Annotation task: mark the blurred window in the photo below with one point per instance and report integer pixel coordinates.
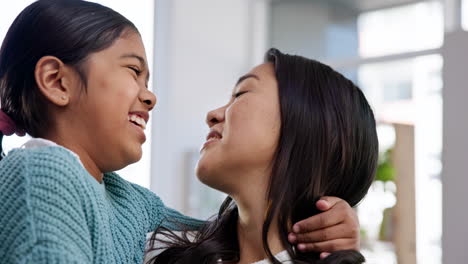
(401, 29)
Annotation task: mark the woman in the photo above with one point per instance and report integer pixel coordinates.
(293, 131)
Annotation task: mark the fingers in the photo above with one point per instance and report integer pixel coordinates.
(337, 228)
(322, 220)
(329, 246)
(323, 205)
(324, 255)
(330, 233)
(327, 202)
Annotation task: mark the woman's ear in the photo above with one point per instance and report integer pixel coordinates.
(53, 79)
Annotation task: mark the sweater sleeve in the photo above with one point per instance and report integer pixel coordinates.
(41, 213)
(160, 215)
(174, 220)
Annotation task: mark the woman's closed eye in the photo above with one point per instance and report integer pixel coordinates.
(239, 94)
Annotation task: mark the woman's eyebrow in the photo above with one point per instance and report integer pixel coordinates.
(250, 75)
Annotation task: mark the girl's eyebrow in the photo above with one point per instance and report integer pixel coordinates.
(133, 55)
(250, 75)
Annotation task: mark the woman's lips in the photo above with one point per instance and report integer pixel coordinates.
(212, 137)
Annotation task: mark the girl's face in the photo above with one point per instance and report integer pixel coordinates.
(243, 135)
(110, 116)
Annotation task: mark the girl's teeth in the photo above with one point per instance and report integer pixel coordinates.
(140, 121)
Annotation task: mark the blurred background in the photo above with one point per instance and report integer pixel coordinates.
(408, 56)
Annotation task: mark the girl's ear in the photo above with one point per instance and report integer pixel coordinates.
(53, 79)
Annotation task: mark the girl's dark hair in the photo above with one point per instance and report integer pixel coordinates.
(327, 147)
(67, 29)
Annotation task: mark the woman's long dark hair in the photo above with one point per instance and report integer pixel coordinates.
(327, 147)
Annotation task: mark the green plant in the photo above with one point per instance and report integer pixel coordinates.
(385, 169)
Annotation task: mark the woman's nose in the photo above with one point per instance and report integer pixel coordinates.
(215, 116)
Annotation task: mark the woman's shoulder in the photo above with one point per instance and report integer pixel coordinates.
(155, 245)
(282, 257)
(158, 243)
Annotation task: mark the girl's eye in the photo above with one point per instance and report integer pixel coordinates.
(238, 94)
(137, 71)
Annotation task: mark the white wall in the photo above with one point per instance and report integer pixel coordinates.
(201, 48)
(314, 29)
(289, 22)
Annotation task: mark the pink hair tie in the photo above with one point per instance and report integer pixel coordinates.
(8, 127)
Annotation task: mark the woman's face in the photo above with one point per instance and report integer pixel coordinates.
(112, 113)
(243, 134)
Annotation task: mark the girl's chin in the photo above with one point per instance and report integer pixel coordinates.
(134, 155)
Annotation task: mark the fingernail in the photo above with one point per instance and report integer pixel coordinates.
(292, 238)
(301, 247)
(324, 201)
(324, 255)
(296, 229)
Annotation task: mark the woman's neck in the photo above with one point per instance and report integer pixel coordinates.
(249, 230)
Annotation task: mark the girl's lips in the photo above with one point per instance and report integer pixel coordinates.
(137, 120)
(138, 127)
(139, 131)
(141, 114)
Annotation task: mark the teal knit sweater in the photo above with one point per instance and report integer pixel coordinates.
(53, 211)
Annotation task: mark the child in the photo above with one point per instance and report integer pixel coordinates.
(73, 75)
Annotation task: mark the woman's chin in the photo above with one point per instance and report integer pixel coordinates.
(202, 172)
(211, 178)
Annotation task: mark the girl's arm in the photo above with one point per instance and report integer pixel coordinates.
(181, 222)
(160, 215)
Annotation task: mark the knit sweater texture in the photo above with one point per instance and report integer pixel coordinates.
(53, 211)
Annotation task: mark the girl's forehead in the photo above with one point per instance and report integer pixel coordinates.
(130, 43)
